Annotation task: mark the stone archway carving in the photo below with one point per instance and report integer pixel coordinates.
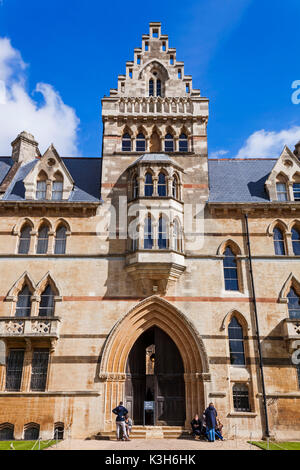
(154, 311)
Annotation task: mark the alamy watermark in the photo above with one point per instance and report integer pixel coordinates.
(296, 94)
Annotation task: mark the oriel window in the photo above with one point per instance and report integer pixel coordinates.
(148, 235)
(148, 185)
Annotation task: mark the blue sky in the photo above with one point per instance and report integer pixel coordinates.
(58, 58)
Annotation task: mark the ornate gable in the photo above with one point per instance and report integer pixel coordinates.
(285, 171)
(49, 169)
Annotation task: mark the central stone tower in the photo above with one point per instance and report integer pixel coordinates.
(154, 156)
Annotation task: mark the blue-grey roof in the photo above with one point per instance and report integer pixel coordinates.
(5, 165)
(86, 173)
(154, 157)
(237, 180)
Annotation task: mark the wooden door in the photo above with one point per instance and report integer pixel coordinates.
(170, 387)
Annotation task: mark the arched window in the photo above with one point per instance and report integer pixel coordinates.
(6, 432)
(47, 303)
(148, 234)
(176, 236)
(58, 431)
(57, 187)
(24, 242)
(175, 192)
(296, 241)
(296, 191)
(240, 397)
(42, 243)
(151, 87)
(148, 184)
(236, 343)
(278, 241)
(162, 186)
(31, 432)
(60, 240)
(41, 186)
(158, 87)
(281, 192)
(230, 270)
(140, 143)
(162, 233)
(126, 143)
(169, 143)
(183, 143)
(293, 304)
(135, 187)
(23, 306)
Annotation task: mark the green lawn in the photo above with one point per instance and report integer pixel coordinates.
(277, 445)
(25, 445)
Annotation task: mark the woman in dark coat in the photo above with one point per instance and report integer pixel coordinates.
(211, 421)
(196, 426)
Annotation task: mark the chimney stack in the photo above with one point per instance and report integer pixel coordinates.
(24, 148)
(297, 150)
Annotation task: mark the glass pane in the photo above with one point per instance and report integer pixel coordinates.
(14, 369)
(169, 143)
(24, 242)
(41, 188)
(31, 433)
(23, 306)
(293, 304)
(57, 190)
(39, 369)
(47, 303)
(42, 244)
(60, 241)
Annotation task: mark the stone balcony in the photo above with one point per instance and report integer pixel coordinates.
(29, 327)
(154, 270)
(291, 333)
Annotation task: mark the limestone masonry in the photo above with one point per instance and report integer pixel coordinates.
(127, 277)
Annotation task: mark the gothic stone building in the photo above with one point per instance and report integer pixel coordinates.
(128, 277)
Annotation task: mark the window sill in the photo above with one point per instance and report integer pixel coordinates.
(242, 414)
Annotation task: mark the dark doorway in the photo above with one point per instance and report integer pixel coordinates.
(155, 373)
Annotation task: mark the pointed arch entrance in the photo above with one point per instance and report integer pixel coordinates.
(155, 373)
(154, 312)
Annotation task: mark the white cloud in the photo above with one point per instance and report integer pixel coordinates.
(51, 121)
(218, 153)
(264, 143)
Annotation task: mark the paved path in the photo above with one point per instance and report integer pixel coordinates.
(153, 444)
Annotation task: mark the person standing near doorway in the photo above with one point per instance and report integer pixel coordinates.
(211, 421)
(121, 411)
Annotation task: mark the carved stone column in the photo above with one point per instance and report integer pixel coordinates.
(26, 376)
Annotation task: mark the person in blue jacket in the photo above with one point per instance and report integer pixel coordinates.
(121, 411)
(211, 421)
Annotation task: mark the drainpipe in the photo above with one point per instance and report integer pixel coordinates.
(257, 330)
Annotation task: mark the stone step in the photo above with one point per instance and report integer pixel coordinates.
(149, 432)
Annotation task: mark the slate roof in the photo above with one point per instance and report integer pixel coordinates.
(239, 180)
(154, 157)
(86, 173)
